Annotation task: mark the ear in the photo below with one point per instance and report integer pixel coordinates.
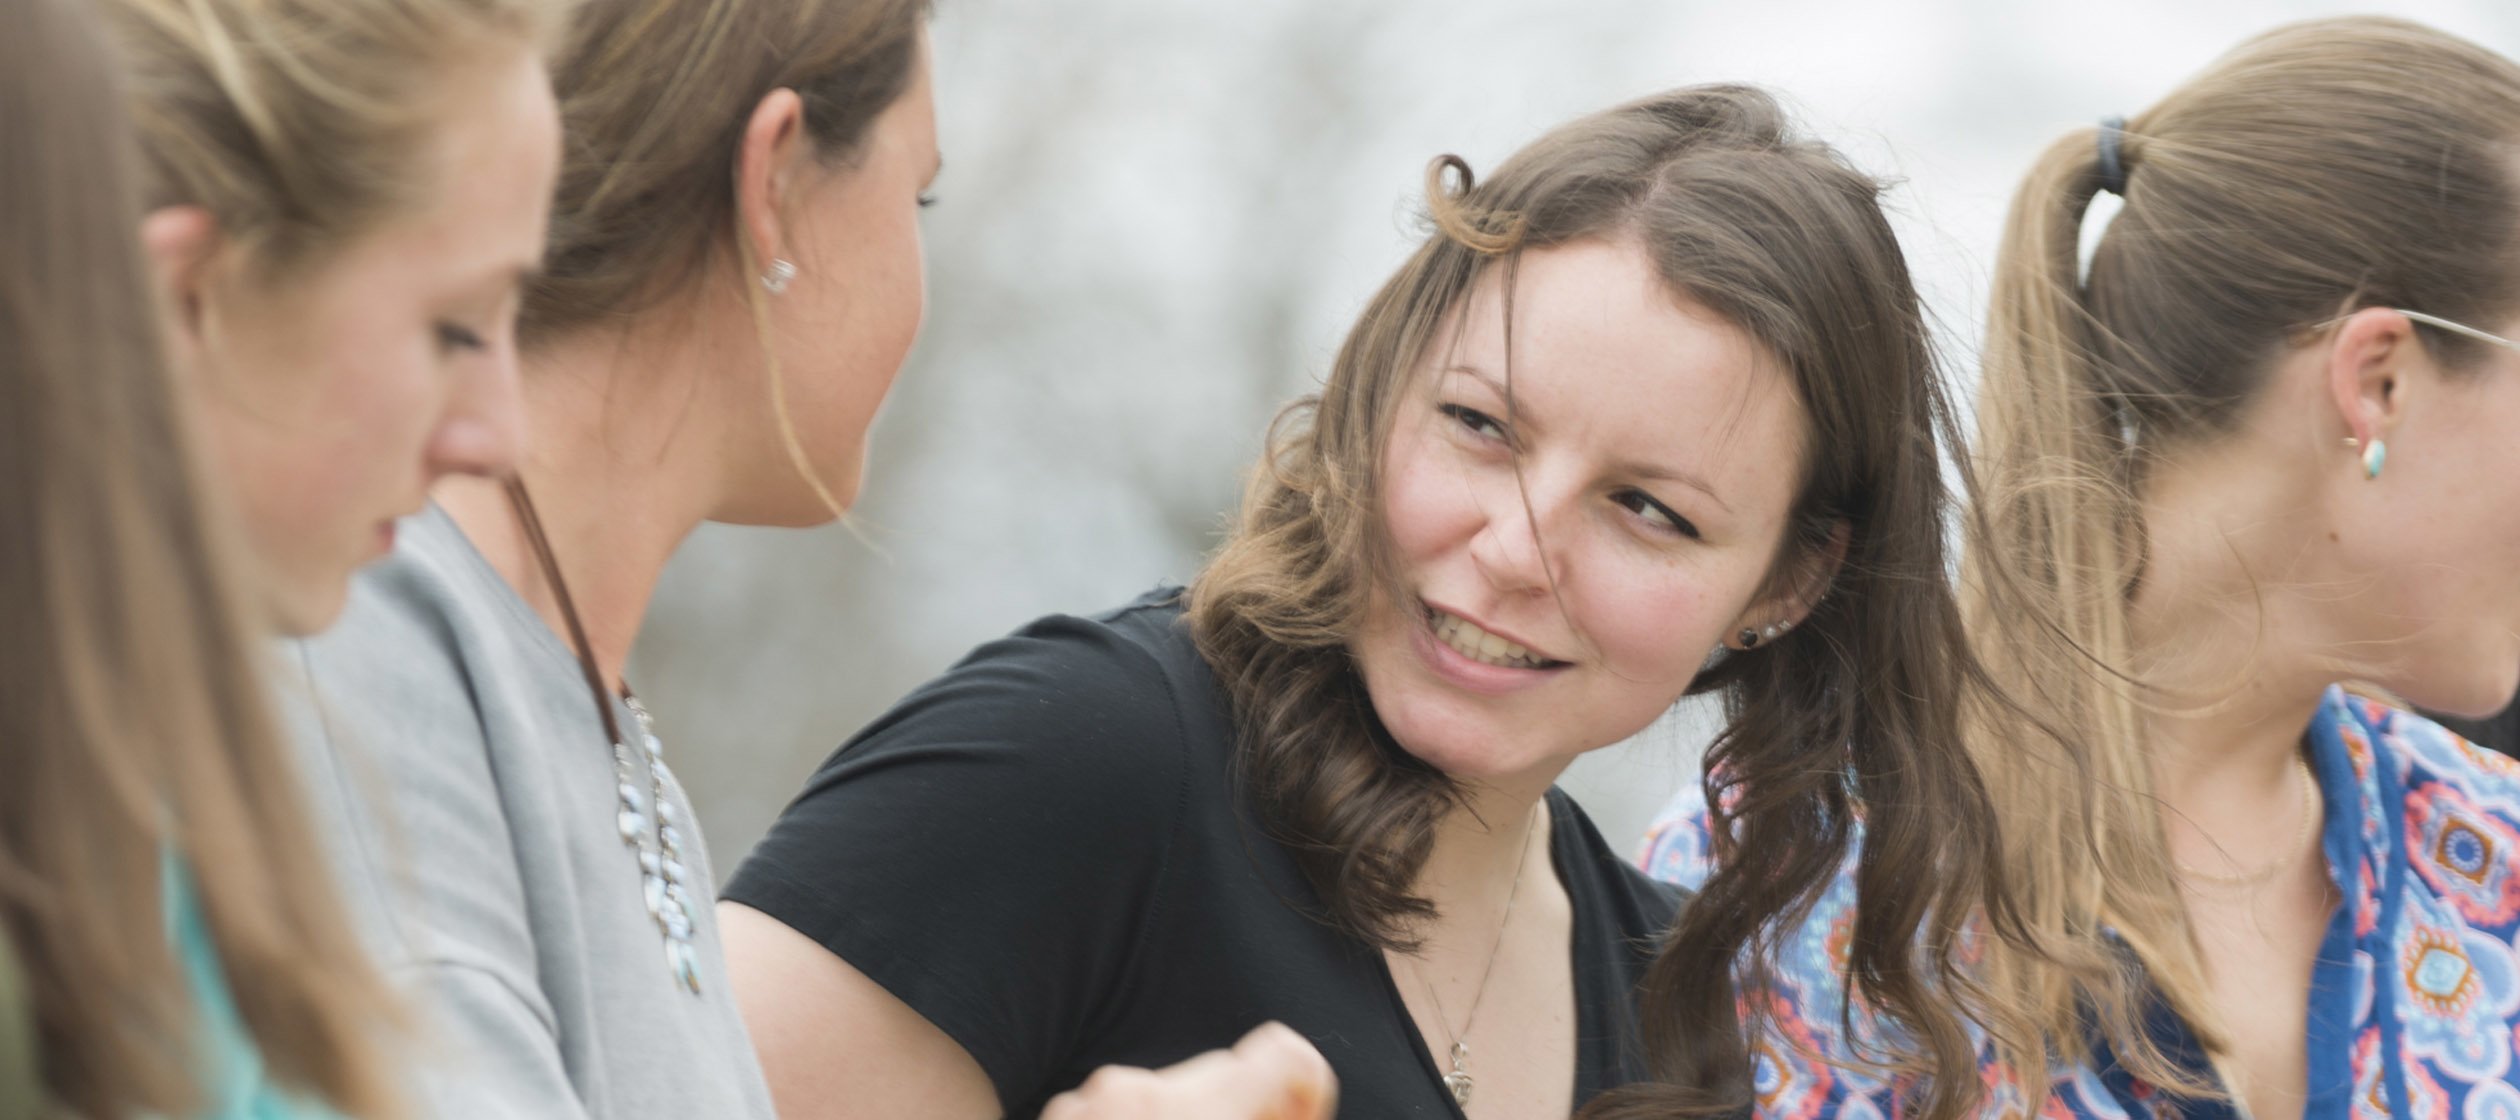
(1796, 592)
(766, 169)
(180, 243)
(2367, 362)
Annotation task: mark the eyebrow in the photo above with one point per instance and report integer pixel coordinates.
(1650, 472)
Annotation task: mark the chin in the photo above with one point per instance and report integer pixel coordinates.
(306, 611)
(1460, 746)
(2480, 686)
(797, 505)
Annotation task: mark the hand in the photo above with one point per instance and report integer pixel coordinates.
(1272, 1074)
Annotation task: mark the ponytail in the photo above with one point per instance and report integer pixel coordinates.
(2321, 167)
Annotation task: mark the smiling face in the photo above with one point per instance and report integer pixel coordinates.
(334, 397)
(1561, 608)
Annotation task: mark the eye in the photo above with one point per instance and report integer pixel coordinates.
(1477, 422)
(1655, 513)
(927, 199)
(451, 338)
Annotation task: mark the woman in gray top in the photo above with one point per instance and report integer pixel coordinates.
(735, 241)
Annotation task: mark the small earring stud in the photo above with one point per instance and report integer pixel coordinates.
(775, 279)
(2374, 457)
(2352, 442)
(1749, 638)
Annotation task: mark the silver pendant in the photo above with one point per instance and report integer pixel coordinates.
(1459, 1079)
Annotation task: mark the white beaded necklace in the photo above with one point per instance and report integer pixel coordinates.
(663, 879)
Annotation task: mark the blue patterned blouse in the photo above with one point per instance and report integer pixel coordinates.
(2413, 999)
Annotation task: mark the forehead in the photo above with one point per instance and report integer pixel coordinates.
(1606, 356)
(483, 187)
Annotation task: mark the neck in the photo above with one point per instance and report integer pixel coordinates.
(1480, 848)
(2227, 627)
(610, 471)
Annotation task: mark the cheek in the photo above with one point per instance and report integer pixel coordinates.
(335, 437)
(1655, 623)
(1430, 505)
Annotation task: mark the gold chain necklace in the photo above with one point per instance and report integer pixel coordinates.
(2291, 854)
(1458, 1081)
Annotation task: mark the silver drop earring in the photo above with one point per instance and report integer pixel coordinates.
(775, 279)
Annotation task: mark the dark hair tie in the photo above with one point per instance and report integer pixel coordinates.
(2112, 158)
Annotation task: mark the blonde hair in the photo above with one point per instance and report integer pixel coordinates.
(132, 722)
(301, 124)
(2319, 168)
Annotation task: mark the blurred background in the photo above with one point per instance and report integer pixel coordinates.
(1157, 219)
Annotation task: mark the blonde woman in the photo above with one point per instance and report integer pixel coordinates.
(735, 243)
(184, 952)
(2263, 451)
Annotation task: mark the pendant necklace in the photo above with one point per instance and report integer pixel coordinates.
(644, 808)
(1458, 1081)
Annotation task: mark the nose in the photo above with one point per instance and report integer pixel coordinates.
(482, 430)
(1509, 547)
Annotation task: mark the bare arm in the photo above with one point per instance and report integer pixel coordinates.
(834, 1044)
(837, 1046)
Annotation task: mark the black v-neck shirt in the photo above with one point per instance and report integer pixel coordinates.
(1044, 853)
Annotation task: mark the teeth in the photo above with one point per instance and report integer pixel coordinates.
(1479, 645)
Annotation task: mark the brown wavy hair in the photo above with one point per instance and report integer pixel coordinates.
(1855, 712)
(2318, 169)
(133, 728)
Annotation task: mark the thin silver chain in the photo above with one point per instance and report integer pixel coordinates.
(1461, 1038)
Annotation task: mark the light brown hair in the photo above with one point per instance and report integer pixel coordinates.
(2318, 169)
(301, 124)
(654, 97)
(1856, 711)
(133, 729)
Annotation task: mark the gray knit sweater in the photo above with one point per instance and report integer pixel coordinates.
(469, 798)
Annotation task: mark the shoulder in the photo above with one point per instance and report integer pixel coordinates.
(2455, 816)
(1102, 689)
(2422, 752)
(432, 656)
(430, 631)
(427, 711)
(1073, 737)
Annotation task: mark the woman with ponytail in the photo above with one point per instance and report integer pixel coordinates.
(1649, 412)
(2249, 481)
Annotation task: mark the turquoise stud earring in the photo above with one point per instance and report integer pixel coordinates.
(2375, 456)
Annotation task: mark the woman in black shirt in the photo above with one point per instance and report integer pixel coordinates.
(1650, 412)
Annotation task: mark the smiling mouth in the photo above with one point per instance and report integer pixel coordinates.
(1478, 645)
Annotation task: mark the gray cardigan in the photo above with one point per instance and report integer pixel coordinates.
(468, 796)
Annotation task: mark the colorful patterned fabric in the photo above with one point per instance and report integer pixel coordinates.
(2413, 1001)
